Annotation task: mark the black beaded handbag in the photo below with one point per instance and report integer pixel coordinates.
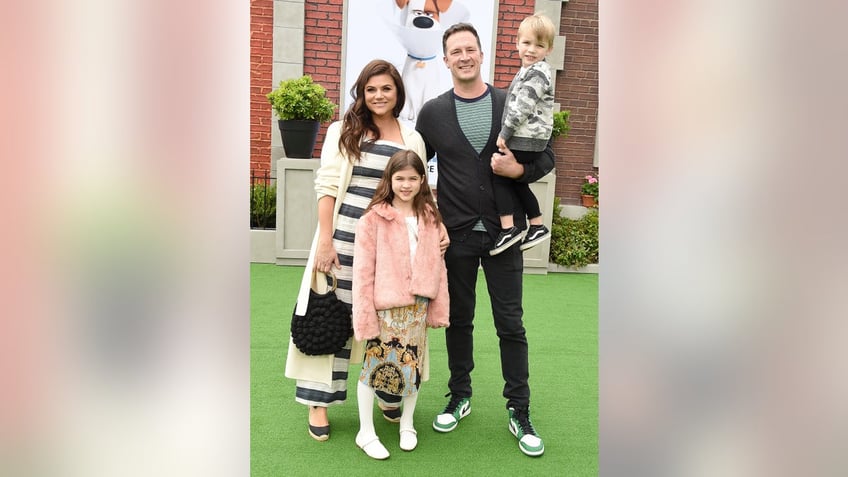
(326, 326)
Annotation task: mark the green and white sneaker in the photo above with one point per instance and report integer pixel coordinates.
(520, 426)
(457, 408)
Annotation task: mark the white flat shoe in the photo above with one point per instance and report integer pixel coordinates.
(373, 448)
(408, 439)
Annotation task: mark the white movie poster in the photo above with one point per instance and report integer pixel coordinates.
(408, 33)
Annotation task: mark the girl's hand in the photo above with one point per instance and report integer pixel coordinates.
(444, 240)
(326, 257)
(501, 143)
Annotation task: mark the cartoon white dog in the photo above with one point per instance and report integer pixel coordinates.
(420, 24)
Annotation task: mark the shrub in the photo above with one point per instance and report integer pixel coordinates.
(301, 99)
(263, 205)
(574, 243)
(561, 125)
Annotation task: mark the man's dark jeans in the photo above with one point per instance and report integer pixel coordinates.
(504, 281)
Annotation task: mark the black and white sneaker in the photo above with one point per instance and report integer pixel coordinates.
(507, 238)
(536, 234)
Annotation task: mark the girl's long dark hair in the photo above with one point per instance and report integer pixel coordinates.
(357, 121)
(423, 203)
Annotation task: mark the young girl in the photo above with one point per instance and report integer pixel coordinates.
(399, 288)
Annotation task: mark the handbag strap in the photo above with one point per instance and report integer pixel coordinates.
(307, 279)
(312, 279)
(319, 282)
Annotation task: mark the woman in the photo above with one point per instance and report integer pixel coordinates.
(353, 157)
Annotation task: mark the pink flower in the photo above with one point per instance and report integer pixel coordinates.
(591, 179)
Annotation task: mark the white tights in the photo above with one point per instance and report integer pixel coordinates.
(365, 398)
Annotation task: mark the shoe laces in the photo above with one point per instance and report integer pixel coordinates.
(453, 403)
(523, 418)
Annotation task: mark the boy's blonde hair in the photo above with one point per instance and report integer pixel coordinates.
(540, 27)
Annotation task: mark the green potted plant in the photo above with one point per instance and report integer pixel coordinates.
(589, 190)
(301, 106)
(561, 126)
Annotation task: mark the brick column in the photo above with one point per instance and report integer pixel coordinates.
(261, 46)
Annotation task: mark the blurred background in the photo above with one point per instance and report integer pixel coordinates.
(124, 344)
(125, 313)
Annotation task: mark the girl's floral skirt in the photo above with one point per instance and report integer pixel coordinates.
(392, 361)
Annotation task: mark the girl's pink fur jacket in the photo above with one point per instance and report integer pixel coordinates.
(383, 277)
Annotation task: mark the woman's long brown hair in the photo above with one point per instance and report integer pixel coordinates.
(357, 122)
(423, 203)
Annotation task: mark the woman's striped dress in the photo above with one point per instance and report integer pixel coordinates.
(366, 175)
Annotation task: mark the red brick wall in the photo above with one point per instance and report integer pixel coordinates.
(576, 86)
(261, 63)
(510, 14)
(577, 91)
(322, 51)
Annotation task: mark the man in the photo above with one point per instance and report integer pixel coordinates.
(461, 126)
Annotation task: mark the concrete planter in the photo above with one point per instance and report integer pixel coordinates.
(263, 246)
(536, 258)
(297, 209)
(591, 268)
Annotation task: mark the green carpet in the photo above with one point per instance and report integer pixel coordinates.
(560, 315)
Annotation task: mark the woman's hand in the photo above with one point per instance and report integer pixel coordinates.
(326, 257)
(325, 253)
(444, 240)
